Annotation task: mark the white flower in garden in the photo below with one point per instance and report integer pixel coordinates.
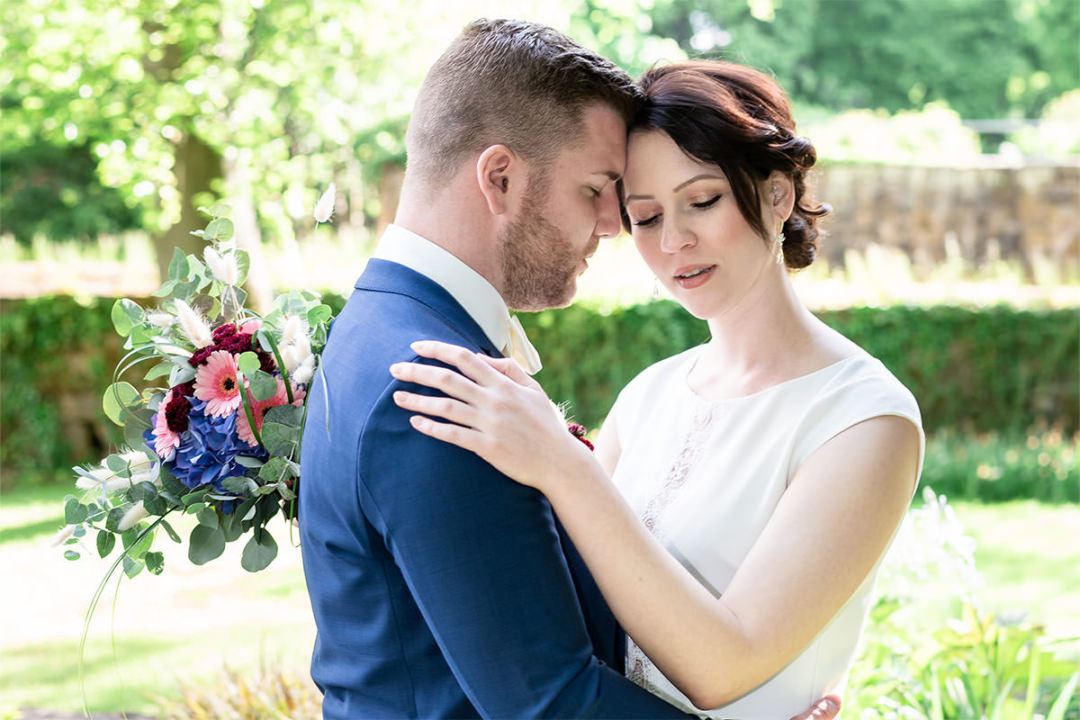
(196, 329)
(223, 266)
(61, 536)
(161, 319)
(325, 207)
(132, 516)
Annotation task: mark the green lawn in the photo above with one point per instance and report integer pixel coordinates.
(191, 623)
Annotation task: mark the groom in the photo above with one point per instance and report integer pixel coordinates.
(441, 588)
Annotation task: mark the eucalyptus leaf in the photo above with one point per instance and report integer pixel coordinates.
(207, 516)
(248, 462)
(205, 544)
(275, 469)
(133, 567)
(112, 521)
(194, 497)
(155, 562)
(319, 314)
(71, 555)
(170, 531)
(259, 552)
(118, 465)
(232, 526)
(263, 385)
(280, 439)
(217, 210)
(116, 398)
(162, 369)
(74, 512)
(125, 315)
(156, 505)
(166, 289)
(219, 230)
(240, 485)
(247, 362)
(106, 541)
(178, 266)
(181, 374)
(288, 415)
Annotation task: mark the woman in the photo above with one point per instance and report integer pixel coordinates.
(743, 492)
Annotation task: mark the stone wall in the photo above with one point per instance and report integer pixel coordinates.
(1028, 215)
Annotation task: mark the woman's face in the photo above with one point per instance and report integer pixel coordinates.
(688, 228)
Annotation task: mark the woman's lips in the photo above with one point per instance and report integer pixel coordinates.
(693, 276)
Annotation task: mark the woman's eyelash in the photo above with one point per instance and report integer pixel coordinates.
(646, 221)
(708, 203)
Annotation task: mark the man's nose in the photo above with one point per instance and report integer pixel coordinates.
(608, 222)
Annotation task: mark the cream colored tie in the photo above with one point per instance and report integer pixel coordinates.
(520, 349)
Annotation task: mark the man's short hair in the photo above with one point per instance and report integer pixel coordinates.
(514, 83)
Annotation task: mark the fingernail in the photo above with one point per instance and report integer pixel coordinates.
(398, 396)
(418, 345)
(396, 368)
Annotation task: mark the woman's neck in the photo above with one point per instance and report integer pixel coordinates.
(767, 338)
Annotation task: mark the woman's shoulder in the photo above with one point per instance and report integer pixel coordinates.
(864, 380)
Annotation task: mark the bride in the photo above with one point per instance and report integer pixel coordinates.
(742, 493)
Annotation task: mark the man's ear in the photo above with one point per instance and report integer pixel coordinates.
(500, 177)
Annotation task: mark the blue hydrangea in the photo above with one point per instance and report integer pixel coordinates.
(208, 449)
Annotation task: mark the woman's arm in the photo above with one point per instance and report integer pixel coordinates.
(828, 530)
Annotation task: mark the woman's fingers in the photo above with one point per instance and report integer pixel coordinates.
(468, 362)
(453, 384)
(463, 437)
(510, 369)
(442, 407)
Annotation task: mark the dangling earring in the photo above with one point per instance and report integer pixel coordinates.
(780, 249)
(656, 288)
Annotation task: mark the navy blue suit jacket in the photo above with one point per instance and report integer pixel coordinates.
(440, 587)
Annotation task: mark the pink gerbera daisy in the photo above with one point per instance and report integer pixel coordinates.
(259, 408)
(215, 383)
(165, 440)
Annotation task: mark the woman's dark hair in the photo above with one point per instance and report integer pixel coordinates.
(737, 118)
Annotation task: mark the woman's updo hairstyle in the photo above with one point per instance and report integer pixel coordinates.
(737, 118)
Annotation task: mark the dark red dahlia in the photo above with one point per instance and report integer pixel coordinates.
(266, 361)
(199, 356)
(224, 331)
(176, 413)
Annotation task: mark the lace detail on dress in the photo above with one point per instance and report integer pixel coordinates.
(637, 666)
(680, 469)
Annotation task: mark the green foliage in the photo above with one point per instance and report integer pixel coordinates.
(984, 58)
(983, 379)
(39, 177)
(929, 652)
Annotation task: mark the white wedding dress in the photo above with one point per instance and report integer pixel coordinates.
(705, 477)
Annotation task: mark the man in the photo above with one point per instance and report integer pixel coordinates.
(440, 588)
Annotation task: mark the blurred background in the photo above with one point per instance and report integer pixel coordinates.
(948, 137)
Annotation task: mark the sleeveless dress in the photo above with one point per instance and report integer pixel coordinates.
(705, 476)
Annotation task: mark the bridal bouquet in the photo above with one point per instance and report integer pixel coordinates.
(216, 432)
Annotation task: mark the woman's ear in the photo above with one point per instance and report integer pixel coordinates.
(499, 175)
(780, 191)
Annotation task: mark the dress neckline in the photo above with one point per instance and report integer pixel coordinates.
(684, 378)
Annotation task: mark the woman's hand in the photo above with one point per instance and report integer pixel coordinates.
(495, 410)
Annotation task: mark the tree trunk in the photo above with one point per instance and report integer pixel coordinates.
(196, 166)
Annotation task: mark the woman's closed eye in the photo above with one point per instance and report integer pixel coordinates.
(645, 222)
(706, 203)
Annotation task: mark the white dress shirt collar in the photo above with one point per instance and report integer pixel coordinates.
(473, 292)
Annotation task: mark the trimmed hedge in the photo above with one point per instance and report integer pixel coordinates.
(998, 369)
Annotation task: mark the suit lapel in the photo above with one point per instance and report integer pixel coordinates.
(390, 277)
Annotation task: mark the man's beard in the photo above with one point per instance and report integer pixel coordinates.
(539, 265)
